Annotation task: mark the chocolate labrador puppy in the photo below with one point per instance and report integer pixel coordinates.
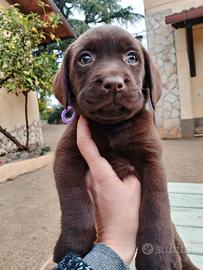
(108, 77)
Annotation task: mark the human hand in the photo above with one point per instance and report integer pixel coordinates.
(116, 202)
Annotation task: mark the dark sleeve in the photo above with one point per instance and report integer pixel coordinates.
(72, 262)
(100, 257)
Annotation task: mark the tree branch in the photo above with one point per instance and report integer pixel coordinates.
(2, 81)
(13, 139)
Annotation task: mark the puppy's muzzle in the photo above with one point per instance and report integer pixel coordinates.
(114, 85)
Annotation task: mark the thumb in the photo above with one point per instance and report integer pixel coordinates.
(99, 166)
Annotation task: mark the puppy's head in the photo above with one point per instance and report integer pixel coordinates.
(106, 75)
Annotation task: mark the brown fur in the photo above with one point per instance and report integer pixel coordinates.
(121, 123)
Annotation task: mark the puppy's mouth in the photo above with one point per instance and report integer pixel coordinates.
(110, 110)
(111, 113)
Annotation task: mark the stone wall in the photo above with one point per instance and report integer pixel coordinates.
(161, 44)
(7, 146)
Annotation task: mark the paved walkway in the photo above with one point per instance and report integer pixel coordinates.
(29, 209)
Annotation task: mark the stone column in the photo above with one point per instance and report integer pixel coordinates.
(161, 44)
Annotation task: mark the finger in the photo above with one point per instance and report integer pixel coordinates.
(88, 180)
(90, 195)
(86, 145)
(134, 185)
(89, 186)
(98, 166)
(133, 180)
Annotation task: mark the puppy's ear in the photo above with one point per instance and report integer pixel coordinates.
(152, 79)
(62, 85)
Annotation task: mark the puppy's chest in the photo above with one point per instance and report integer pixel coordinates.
(121, 153)
(113, 138)
(118, 138)
(117, 142)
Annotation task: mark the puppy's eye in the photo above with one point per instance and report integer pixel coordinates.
(132, 57)
(86, 58)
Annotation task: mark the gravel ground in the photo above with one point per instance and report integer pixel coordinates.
(183, 158)
(29, 209)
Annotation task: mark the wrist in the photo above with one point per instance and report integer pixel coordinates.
(125, 250)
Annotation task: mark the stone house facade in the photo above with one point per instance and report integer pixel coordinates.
(180, 110)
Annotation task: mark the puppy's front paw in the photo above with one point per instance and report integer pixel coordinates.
(60, 250)
(190, 266)
(150, 257)
(79, 245)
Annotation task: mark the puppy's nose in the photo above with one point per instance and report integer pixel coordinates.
(114, 83)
